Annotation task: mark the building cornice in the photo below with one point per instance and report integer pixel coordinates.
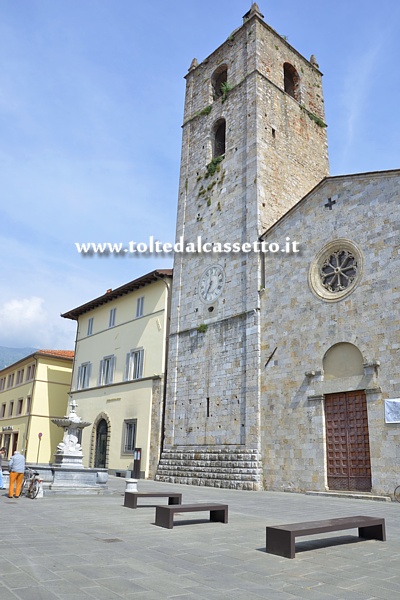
(123, 290)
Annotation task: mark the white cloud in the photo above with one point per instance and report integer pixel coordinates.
(26, 322)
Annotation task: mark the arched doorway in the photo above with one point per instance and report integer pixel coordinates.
(346, 422)
(100, 457)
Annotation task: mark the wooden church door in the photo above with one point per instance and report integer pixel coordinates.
(347, 442)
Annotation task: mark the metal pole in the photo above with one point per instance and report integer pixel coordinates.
(40, 439)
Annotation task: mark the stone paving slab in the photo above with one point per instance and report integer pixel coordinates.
(85, 547)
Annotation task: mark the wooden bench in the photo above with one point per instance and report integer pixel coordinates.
(131, 498)
(281, 538)
(165, 514)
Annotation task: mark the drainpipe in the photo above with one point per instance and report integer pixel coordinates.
(28, 427)
(262, 258)
(164, 394)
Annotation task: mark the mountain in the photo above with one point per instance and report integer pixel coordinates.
(8, 356)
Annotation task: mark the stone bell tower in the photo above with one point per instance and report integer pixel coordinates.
(254, 143)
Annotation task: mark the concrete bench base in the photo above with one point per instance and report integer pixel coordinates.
(281, 538)
(165, 514)
(131, 498)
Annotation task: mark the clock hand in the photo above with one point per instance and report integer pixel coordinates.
(209, 286)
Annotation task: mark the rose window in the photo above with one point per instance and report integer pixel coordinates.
(338, 271)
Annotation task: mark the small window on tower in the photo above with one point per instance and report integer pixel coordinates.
(219, 77)
(219, 138)
(291, 81)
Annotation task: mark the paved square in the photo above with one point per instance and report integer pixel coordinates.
(77, 547)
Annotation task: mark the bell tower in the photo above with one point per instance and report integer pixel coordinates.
(254, 143)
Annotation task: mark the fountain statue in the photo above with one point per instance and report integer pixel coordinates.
(67, 473)
(69, 451)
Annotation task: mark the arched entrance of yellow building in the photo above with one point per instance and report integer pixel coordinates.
(100, 457)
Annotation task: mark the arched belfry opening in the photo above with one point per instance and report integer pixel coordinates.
(291, 81)
(218, 79)
(219, 138)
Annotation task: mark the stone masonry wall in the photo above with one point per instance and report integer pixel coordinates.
(233, 468)
(212, 386)
(302, 327)
(274, 154)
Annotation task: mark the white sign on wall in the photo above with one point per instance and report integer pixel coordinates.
(392, 410)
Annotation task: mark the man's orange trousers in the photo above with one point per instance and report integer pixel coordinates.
(16, 479)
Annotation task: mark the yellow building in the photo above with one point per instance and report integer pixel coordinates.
(118, 379)
(32, 392)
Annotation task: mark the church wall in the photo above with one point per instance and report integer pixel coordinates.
(302, 327)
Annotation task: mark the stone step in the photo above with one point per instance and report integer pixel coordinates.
(185, 469)
(356, 495)
(208, 466)
(210, 457)
(236, 468)
(210, 475)
(217, 483)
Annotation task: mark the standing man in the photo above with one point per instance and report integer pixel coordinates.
(2, 454)
(16, 466)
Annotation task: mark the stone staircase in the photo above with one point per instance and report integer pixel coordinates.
(234, 468)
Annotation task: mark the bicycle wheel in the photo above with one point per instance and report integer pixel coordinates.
(34, 489)
(25, 484)
(397, 494)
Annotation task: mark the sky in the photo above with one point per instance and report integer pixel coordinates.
(91, 107)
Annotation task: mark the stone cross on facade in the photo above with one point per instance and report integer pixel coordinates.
(330, 203)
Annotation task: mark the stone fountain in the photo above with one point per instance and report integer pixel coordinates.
(67, 473)
(69, 451)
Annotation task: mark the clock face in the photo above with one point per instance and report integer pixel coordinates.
(211, 283)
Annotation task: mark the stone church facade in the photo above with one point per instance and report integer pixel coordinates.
(240, 412)
(330, 319)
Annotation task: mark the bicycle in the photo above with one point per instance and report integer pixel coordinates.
(31, 484)
(397, 494)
